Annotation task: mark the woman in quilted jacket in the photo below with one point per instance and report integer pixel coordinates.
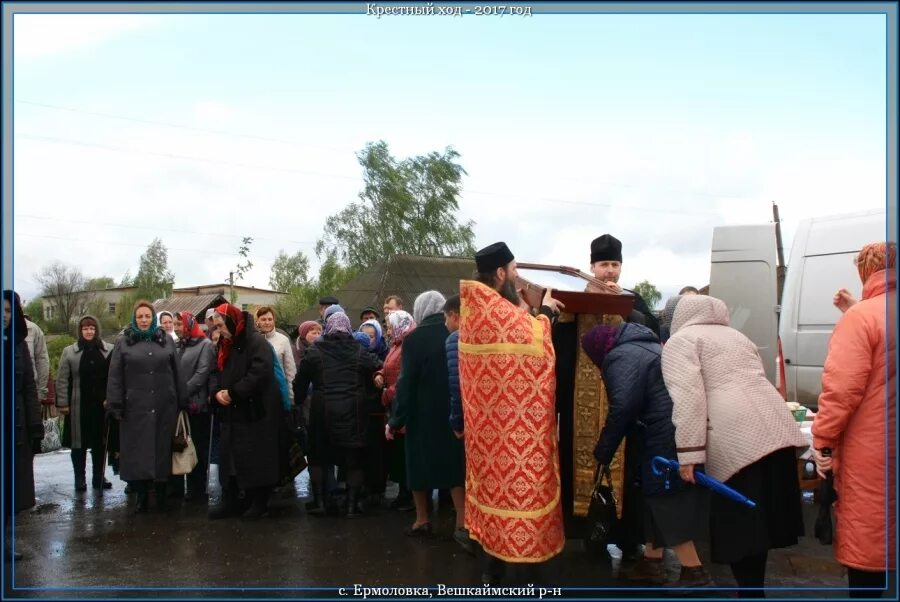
(731, 419)
(400, 324)
(854, 420)
(674, 512)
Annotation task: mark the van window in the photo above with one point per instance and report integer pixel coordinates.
(823, 275)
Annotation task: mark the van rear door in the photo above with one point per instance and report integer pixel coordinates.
(743, 275)
(822, 261)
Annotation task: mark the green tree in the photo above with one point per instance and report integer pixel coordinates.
(241, 268)
(55, 346)
(127, 279)
(63, 285)
(289, 272)
(100, 283)
(406, 207)
(35, 309)
(649, 292)
(154, 278)
(332, 276)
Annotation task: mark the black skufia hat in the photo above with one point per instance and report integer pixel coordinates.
(492, 257)
(606, 248)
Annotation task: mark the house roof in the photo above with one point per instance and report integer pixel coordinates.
(405, 275)
(225, 286)
(195, 305)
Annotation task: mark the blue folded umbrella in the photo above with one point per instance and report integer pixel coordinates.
(702, 479)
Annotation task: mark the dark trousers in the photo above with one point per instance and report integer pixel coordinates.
(79, 463)
(750, 574)
(867, 579)
(200, 434)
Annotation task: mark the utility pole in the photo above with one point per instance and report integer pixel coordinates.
(231, 287)
(781, 269)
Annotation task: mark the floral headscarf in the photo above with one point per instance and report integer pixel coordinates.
(235, 323)
(875, 257)
(190, 329)
(338, 322)
(401, 325)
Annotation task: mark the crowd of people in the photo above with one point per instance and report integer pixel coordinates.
(459, 396)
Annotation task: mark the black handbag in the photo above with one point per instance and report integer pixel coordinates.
(601, 517)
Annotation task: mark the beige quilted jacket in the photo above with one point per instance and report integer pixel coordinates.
(726, 414)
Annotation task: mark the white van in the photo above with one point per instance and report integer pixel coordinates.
(744, 275)
(821, 262)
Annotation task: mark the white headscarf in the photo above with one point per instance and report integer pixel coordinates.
(428, 304)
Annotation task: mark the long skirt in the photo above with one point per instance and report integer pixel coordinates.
(677, 517)
(738, 531)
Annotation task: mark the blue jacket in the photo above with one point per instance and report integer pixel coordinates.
(638, 399)
(456, 409)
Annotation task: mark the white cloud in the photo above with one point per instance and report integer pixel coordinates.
(212, 111)
(41, 35)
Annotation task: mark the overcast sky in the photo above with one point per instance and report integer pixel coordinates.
(202, 129)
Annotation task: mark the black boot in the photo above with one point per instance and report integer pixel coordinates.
(79, 460)
(317, 506)
(354, 510)
(161, 492)
(259, 504)
(228, 507)
(98, 481)
(143, 496)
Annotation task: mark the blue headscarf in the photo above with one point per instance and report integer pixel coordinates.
(363, 339)
(379, 346)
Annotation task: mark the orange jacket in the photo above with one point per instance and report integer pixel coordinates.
(856, 420)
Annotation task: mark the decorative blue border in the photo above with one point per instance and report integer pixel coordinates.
(358, 8)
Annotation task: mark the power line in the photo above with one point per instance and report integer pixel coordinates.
(158, 228)
(184, 127)
(179, 157)
(131, 244)
(357, 179)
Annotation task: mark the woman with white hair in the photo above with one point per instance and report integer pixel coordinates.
(729, 418)
(434, 456)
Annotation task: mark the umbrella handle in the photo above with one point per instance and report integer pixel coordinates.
(658, 461)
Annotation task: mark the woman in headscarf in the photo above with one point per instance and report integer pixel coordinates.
(434, 456)
(628, 356)
(376, 337)
(341, 372)
(80, 393)
(731, 419)
(400, 324)
(166, 321)
(854, 421)
(250, 412)
(376, 446)
(22, 411)
(198, 361)
(145, 391)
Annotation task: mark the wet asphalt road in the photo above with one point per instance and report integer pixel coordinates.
(92, 545)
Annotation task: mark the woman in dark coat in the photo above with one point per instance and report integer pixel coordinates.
(198, 362)
(250, 411)
(341, 373)
(80, 392)
(145, 391)
(24, 414)
(630, 356)
(435, 458)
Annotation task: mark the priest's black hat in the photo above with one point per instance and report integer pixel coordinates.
(492, 257)
(328, 301)
(606, 248)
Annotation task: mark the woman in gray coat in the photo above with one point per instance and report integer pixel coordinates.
(80, 392)
(198, 363)
(145, 392)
